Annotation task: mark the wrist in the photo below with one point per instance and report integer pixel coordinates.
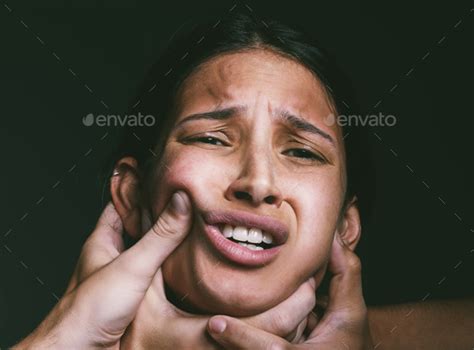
(376, 319)
(58, 330)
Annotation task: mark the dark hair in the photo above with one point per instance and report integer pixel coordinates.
(237, 32)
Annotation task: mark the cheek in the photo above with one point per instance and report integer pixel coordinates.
(185, 170)
(318, 198)
(316, 203)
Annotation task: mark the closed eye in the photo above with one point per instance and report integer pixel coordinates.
(305, 154)
(207, 139)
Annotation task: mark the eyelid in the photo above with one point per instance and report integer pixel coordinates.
(314, 156)
(309, 148)
(203, 136)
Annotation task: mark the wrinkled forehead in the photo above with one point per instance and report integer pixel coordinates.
(252, 76)
(239, 76)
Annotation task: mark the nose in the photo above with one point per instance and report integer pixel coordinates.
(255, 184)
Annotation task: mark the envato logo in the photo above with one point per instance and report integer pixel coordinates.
(118, 120)
(361, 120)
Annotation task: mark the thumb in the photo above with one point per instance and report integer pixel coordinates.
(233, 333)
(109, 298)
(346, 306)
(345, 289)
(144, 258)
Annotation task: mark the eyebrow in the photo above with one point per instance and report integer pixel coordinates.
(218, 114)
(300, 123)
(295, 121)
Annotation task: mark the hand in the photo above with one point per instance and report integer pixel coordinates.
(179, 329)
(109, 284)
(343, 326)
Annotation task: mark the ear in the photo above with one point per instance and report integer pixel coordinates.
(349, 228)
(126, 196)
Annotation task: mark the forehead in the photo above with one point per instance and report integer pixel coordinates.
(245, 78)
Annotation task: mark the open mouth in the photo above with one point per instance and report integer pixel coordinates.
(252, 238)
(245, 238)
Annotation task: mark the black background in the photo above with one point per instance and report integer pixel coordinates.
(415, 58)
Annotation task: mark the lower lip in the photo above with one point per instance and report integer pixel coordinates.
(237, 253)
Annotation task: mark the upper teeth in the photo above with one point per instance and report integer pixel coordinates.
(244, 234)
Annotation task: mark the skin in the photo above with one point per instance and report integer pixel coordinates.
(256, 153)
(92, 314)
(343, 326)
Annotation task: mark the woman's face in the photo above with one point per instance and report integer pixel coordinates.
(251, 149)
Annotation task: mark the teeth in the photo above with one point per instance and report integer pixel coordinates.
(252, 235)
(267, 238)
(240, 234)
(255, 235)
(251, 246)
(228, 230)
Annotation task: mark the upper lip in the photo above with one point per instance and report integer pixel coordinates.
(277, 229)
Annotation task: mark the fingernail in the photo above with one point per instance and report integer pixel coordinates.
(312, 282)
(179, 202)
(217, 325)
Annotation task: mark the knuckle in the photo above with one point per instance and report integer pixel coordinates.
(309, 298)
(165, 227)
(356, 315)
(354, 263)
(281, 324)
(295, 336)
(363, 312)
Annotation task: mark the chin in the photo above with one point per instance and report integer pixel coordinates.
(203, 283)
(233, 299)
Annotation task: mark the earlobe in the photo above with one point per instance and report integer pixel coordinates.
(124, 189)
(350, 228)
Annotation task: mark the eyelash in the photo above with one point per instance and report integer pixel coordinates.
(201, 138)
(307, 155)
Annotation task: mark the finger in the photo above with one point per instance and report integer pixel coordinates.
(345, 288)
(284, 318)
(296, 336)
(126, 279)
(102, 246)
(318, 312)
(312, 322)
(106, 239)
(141, 261)
(233, 333)
(109, 228)
(346, 307)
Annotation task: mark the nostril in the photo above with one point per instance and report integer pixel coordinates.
(242, 195)
(270, 199)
